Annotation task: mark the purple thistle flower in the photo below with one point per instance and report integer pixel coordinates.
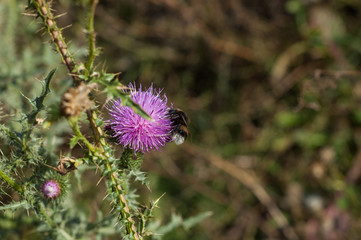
(50, 189)
(133, 131)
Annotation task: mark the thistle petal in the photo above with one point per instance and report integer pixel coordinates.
(135, 132)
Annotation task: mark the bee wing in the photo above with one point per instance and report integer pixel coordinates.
(185, 118)
(186, 121)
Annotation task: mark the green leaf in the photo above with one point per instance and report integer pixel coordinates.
(140, 177)
(74, 140)
(175, 222)
(98, 122)
(192, 221)
(13, 205)
(108, 77)
(128, 101)
(37, 103)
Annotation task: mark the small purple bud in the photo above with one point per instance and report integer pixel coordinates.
(50, 189)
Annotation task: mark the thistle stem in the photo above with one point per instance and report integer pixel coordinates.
(73, 122)
(44, 213)
(130, 227)
(113, 178)
(91, 37)
(97, 132)
(43, 9)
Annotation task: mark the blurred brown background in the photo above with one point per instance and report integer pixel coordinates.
(273, 92)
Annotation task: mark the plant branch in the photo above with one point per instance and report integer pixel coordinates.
(73, 122)
(130, 227)
(110, 172)
(43, 9)
(44, 213)
(97, 132)
(91, 37)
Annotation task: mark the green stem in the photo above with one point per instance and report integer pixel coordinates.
(91, 37)
(11, 182)
(97, 132)
(113, 178)
(130, 227)
(65, 234)
(45, 214)
(73, 122)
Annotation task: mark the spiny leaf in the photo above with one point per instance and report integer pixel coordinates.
(155, 202)
(177, 221)
(38, 101)
(74, 140)
(140, 176)
(98, 122)
(13, 205)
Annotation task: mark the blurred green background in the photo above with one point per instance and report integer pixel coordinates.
(272, 89)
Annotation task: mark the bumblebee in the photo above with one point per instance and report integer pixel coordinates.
(179, 120)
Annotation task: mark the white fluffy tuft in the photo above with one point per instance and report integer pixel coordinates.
(178, 139)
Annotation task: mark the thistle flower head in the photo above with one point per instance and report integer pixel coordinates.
(133, 131)
(50, 189)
